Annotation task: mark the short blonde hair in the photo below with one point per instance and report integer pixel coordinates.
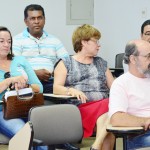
(84, 32)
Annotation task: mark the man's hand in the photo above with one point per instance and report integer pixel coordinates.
(43, 74)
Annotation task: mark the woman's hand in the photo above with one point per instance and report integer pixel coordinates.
(19, 82)
(79, 94)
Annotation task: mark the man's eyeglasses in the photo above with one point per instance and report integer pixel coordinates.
(146, 56)
(7, 75)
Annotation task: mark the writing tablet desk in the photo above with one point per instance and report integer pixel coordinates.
(58, 99)
(124, 132)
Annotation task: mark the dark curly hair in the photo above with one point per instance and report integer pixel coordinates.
(33, 7)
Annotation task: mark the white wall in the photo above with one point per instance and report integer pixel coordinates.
(118, 20)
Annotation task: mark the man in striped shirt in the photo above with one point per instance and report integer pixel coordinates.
(41, 49)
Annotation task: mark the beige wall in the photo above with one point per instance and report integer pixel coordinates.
(118, 21)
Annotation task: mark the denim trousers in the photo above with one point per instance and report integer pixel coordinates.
(139, 141)
(48, 86)
(12, 126)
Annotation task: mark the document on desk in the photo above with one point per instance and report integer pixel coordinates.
(58, 96)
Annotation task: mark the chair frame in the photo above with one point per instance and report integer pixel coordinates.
(23, 139)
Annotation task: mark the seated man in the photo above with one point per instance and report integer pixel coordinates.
(129, 103)
(145, 35)
(41, 49)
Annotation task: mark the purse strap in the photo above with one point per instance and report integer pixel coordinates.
(21, 97)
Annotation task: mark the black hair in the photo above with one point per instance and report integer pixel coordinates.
(147, 22)
(31, 8)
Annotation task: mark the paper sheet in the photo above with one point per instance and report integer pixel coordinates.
(21, 92)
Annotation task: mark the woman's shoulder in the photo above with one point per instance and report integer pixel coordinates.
(66, 59)
(98, 58)
(19, 59)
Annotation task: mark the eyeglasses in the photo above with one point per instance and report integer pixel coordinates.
(146, 56)
(7, 75)
(95, 41)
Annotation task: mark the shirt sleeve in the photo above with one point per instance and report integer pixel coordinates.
(32, 77)
(118, 100)
(61, 51)
(17, 48)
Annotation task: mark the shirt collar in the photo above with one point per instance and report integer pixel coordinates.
(27, 34)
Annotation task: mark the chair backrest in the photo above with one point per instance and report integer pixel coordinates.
(56, 124)
(23, 139)
(119, 60)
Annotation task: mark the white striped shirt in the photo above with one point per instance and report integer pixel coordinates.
(41, 53)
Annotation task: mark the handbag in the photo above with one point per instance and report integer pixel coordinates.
(16, 104)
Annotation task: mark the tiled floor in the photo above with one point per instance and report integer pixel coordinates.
(85, 145)
(3, 147)
(119, 144)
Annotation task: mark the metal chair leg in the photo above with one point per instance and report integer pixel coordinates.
(125, 142)
(51, 147)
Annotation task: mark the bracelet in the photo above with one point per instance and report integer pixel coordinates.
(67, 91)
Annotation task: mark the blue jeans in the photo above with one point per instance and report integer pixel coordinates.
(48, 86)
(140, 141)
(42, 148)
(12, 126)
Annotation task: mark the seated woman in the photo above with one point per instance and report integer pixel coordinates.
(86, 76)
(15, 72)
